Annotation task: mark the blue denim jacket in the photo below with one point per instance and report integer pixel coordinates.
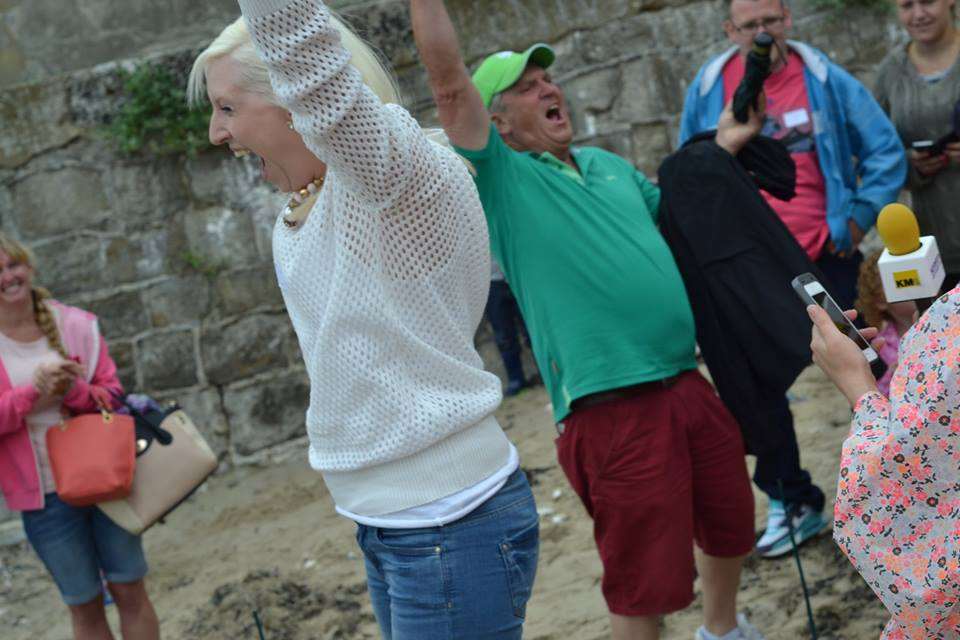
(862, 159)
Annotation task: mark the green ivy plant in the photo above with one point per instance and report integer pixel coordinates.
(880, 6)
(154, 116)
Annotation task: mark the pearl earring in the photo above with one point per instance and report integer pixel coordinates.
(290, 125)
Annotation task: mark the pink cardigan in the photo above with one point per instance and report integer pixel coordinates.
(19, 476)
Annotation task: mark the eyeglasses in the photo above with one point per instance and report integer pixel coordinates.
(768, 24)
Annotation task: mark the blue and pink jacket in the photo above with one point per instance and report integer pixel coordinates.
(19, 473)
(861, 157)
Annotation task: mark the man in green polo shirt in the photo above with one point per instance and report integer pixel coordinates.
(655, 457)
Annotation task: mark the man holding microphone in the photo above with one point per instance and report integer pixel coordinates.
(850, 163)
(655, 457)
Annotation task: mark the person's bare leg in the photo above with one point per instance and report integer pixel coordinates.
(138, 620)
(635, 627)
(720, 580)
(90, 621)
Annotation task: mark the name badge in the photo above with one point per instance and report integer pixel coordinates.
(795, 118)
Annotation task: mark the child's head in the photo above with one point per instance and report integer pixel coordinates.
(871, 302)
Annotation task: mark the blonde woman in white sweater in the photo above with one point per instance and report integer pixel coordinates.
(382, 257)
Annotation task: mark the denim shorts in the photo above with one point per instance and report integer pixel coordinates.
(76, 544)
(467, 580)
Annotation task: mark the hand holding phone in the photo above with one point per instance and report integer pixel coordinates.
(812, 293)
(839, 349)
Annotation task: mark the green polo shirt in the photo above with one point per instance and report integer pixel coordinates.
(598, 287)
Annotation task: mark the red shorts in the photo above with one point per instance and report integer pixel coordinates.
(657, 471)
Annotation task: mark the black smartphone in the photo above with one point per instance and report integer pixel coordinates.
(812, 292)
(937, 147)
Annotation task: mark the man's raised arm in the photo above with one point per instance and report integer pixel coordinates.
(460, 107)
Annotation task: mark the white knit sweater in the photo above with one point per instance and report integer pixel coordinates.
(385, 282)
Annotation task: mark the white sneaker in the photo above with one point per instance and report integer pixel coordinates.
(776, 515)
(776, 541)
(744, 631)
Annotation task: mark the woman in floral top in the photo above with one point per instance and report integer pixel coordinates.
(898, 500)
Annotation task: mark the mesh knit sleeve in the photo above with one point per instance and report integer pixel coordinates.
(898, 499)
(375, 149)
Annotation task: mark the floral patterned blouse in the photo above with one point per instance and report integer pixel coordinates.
(898, 500)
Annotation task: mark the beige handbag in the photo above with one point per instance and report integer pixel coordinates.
(169, 469)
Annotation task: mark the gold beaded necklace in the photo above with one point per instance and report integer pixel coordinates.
(300, 203)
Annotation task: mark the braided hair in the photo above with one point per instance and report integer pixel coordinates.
(42, 314)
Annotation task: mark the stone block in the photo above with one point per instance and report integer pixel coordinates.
(240, 292)
(177, 301)
(833, 36)
(875, 39)
(120, 314)
(267, 413)
(144, 195)
(264, 220)
(388, 25)
(650, 91)
(71, 264)
(96, 95)
(46, 204)
(98, 31)
(146, 255)
(33, 119)
(13, 65)
(594, 91)
(167, 360)
(206, 411)
(122, 354)
(651, 144)
(657, 5)
(215, 177)
(250, 346)
(221, 237)
(520, 23)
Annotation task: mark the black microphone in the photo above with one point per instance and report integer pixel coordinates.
(758, 68)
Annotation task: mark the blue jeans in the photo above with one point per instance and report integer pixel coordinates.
(77, 543)
(467, 580)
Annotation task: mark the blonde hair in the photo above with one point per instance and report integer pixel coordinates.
(41, 310)
(870, 291)
(235, 41)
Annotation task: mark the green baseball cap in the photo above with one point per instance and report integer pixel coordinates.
(501, 71)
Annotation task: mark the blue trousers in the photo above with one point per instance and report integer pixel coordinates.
(467, 580)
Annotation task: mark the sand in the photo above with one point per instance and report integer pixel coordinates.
(266, 538)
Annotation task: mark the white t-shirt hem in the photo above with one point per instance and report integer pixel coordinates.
(444, 510)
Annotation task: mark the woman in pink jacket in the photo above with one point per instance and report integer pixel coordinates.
(53, 363)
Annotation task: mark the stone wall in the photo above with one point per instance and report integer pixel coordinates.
(43, 38)
(174, 253)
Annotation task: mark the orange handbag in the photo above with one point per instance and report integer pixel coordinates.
(92, 457)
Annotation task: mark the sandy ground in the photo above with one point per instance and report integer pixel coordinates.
(267, 539)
